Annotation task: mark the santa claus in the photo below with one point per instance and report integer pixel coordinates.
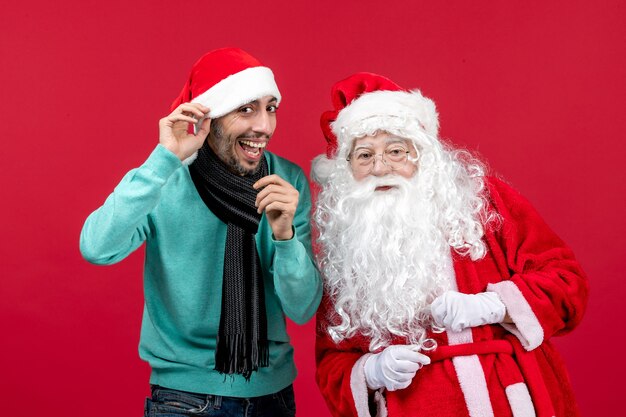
(443, 285)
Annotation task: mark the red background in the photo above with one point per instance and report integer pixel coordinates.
(538, 88)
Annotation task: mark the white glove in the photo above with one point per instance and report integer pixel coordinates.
(457, 311)
(394, 367)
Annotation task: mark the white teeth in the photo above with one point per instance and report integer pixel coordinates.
(254, 144)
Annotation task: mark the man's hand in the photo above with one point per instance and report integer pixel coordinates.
(457, 311)
(394, 367)
(279, 200)
(174, 129)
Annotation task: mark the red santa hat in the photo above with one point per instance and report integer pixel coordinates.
(365, 103)
(225, 79)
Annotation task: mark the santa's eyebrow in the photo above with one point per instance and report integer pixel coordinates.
(395, 139)
(363, 145)
(391, 141)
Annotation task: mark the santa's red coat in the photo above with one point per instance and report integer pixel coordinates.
(492, 370)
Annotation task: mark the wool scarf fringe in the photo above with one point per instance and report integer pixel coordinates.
(233, 357)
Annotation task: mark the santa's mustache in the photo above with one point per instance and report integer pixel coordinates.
(368, 186)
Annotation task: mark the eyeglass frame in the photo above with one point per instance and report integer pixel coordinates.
(382, 159)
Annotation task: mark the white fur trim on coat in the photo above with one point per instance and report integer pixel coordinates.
(471, 376)
(526, 326)
(520, 401)
(358, 386)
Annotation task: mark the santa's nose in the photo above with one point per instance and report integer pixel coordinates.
(379, 167)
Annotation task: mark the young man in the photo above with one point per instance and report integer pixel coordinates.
(228, 253)
(443, 285)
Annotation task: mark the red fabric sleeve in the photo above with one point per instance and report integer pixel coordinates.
(334, 367)
(548, 281)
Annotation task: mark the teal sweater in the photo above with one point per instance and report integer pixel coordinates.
(158, 203)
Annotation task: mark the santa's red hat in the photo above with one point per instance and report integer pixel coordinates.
(365, 103)
(225, 79)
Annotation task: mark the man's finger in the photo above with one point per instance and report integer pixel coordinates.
(181, 118)
(269, 204)
(273, 189)
(195, 108)
(204, 128)
(269, 179)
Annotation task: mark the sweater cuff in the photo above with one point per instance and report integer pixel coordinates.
(162, 162)
(289, 257)
(286, 244)
(525, 326)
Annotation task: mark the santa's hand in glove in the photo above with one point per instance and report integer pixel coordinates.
(394, 367)
(457, 311)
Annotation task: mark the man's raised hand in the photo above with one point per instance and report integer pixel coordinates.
(174, 129)
(279, 199)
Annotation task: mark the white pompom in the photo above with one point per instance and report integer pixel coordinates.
(321, 168)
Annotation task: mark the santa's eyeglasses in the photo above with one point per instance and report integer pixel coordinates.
(394, 158)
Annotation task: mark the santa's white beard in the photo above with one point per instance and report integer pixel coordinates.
(383, 256)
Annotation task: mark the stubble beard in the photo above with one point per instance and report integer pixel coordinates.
(225, 150)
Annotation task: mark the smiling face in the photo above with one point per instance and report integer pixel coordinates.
(240, 137)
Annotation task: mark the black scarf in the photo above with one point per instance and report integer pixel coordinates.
(242, 345)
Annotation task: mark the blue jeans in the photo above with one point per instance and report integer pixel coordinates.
(167, 402)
